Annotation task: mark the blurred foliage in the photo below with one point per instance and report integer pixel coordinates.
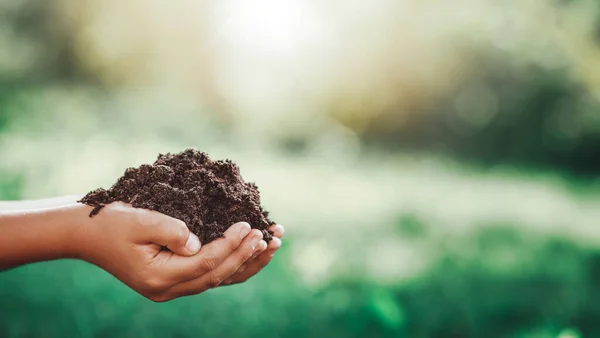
(541, 119)
(372, 153)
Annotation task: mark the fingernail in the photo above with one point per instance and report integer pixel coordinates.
(261, 245)
(193, 243)
(256, 238)
(245, 231)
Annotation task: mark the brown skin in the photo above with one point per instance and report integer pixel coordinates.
(127, 242)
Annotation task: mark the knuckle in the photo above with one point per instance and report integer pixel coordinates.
(210, 262)
(215, 280)
(245, 255)
(179, 230)
(241, 269)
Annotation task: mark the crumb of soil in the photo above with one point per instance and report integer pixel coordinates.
(209, 196)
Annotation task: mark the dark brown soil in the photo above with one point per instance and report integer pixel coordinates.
(208, 196)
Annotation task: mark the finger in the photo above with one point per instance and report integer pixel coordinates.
(168, 232)
(273, 246)
(278, 230)
(252, 268)
(229, 266)
(210, 256)
(260, 248)
(257, 264)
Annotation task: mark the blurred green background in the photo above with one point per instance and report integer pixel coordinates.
(435, 163)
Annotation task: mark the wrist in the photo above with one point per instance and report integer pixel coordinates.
(78, 231)
(64, 225)
(29, 236)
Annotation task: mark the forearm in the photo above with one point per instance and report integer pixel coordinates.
(28, 236)
(38, 204)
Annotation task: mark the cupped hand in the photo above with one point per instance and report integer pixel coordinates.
(157, 256)
(261, 257)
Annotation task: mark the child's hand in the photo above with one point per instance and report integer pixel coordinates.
(129, 243)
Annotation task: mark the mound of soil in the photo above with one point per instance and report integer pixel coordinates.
(209, 196)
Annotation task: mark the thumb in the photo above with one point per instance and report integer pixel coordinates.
(174, 234)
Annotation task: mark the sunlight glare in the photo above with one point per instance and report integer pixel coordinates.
(268, 26)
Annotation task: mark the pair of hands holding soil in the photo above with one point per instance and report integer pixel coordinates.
(138, 259)
(144, 229)
(154, 254)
